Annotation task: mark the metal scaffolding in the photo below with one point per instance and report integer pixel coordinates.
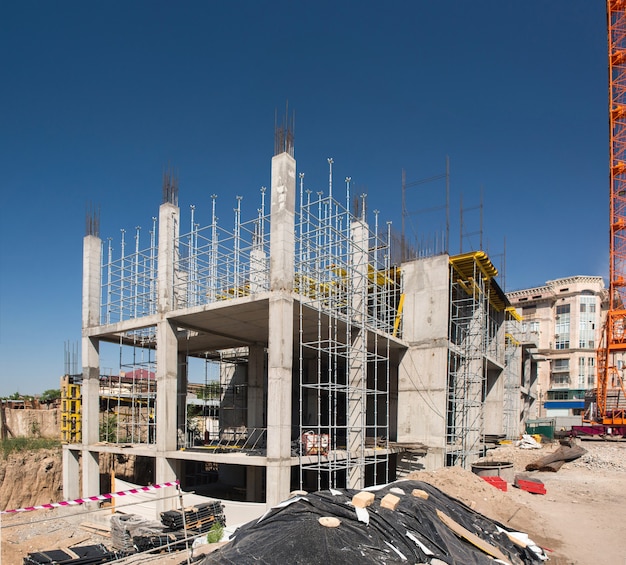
(347, 311)
(218, 264)
(512, 382)
(127, 400)
(129, 279)
(468, 329)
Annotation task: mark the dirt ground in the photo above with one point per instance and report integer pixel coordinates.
(580, 521)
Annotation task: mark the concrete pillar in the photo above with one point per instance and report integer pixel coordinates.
(71, 471)
(494, 402)
(357, 372)
(90, 389)
(256, 406)
(181, 388)
(423, 369)
(166, 470)
(91, 473)
(254, 484)
(280, 342)
(169, 227)
(167, 359)
(167, 385)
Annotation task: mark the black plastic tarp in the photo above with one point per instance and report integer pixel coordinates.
(412, 533)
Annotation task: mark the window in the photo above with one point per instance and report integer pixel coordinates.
(560, 365)
(581, 372)
(560, 371)
(562, 327)
(587, 322)
(591, 372)
(557, 395)
(560, 378)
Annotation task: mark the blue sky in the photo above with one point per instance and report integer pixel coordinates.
(99, 97)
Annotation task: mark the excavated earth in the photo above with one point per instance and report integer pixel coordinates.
(578, 520)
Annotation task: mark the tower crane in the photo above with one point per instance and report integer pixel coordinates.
(610, 393)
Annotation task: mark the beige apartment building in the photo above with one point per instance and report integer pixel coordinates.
(564, 318)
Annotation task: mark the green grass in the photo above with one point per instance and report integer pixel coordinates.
(19, 444)
(215, 533)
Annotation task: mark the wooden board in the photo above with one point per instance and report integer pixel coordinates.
(472, 538)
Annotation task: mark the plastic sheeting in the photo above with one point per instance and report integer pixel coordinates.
(412, 533)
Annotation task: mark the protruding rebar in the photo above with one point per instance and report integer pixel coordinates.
(92, 221)
(170, 188)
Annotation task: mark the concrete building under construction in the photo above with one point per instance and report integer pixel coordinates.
(327, 364)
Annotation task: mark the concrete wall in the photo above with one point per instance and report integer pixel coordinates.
(32, 423)
(422, 375)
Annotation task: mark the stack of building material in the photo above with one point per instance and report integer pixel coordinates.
(125, 527)
(165, 542)
(197, 519)
(79, 555)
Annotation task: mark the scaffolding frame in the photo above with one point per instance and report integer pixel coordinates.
(512, 384)
(216, 264)
(345, 282)
(468, 336)
(128, 399)
(129, 281)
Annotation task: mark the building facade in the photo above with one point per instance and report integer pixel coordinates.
(564, 318)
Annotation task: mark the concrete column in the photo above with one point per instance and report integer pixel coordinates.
(423, 369)
(494, 402)
(254, 484)
(167, 387)
(167, 359)
(169, 226)
(181, 387)
(90, 389)
(91, 473)
(167, 470)
(256, 369)
(357, 372)
(280, 342)
(71, 472)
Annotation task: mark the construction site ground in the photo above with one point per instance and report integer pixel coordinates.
(579, 521)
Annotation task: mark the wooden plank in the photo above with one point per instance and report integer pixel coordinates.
(94, 528)
(472, 538)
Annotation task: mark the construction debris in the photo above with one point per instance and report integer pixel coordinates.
(528, 442)
(555, 460)
(131, 534)
(432, 529)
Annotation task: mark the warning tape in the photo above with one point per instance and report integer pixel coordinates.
(77, 501)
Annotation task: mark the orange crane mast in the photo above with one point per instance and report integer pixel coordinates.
(610, 381)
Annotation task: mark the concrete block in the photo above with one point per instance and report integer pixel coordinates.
(363, 499)
(419, 493)
(390, 501)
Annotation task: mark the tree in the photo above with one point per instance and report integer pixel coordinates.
(50, 395)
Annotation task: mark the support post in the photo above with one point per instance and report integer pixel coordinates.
(280, 343)
(90, 390)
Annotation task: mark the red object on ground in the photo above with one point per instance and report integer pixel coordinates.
(497, 482)
(532, 486)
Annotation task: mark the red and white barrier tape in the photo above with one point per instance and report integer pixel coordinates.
(77, 501)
